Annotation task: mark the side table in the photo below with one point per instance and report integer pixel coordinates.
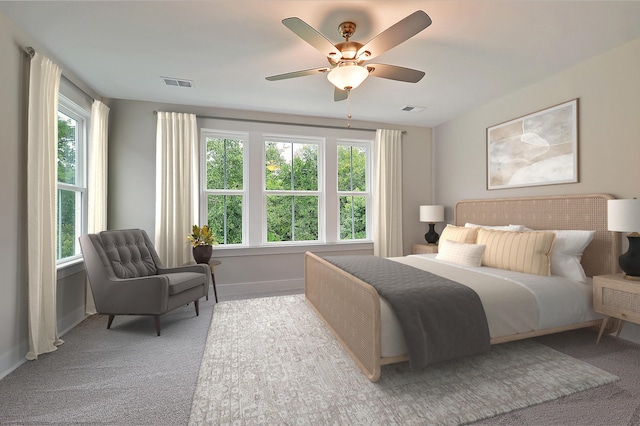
(213, 263)
(424, 248)
(613, 296)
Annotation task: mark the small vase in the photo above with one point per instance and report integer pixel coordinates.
(202, 253)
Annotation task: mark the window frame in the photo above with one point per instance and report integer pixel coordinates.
(319, 192)
(205, 192)
(82, 117)
(254, 203)
(367, 193)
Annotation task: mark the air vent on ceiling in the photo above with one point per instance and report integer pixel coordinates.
(177, 82)
(412, 108)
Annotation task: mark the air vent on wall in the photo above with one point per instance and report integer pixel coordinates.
(412, 108)
(177, 82)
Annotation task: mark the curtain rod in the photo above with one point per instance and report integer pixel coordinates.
(249, 120)
(30, 53)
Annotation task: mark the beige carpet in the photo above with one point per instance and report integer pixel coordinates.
(272, 361)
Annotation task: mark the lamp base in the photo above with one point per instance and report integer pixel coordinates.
(630, 261)
(432, 236)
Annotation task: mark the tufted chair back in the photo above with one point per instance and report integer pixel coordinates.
(129, 253)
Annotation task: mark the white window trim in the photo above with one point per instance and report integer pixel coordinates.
(83, 118)
(320, 192)
(205, 192)
(368, 193)
(254, 204)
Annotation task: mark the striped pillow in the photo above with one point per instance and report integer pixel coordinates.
(459, 234)
(527, 252)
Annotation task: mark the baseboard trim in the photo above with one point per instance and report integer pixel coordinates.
(253, 289)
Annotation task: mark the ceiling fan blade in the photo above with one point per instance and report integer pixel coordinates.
(395, 34)
(394, 72)
(340, 95)
(312, 36)
(297, 74)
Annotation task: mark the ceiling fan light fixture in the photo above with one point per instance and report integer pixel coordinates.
(347, 75)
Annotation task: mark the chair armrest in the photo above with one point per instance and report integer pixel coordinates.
(143, 295)
(199, 267)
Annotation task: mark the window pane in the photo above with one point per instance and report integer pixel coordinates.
(69, 223)
(225, 218)
(67, 149)
(291, 166)
(292, 218)
(306, 218)
(305, 167)
(278, 170)
(353, 218)
(224, 163)
(352, 166)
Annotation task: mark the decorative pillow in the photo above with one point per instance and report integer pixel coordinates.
(527, 252)
(461, 253)
(459, 234)
(567, 253)
(497, 228)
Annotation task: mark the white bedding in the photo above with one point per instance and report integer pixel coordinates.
(514, 302)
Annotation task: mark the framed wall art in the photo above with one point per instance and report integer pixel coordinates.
(538, 149)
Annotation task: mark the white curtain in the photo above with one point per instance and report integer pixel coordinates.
(42, 151)
(176, 185)
(97, 179)
(387, 234)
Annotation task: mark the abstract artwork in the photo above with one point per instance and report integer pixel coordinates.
(538, 149)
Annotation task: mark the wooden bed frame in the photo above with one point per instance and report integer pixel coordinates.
(351, 308)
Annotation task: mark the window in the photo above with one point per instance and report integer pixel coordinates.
(291, 190)
(72, 200)
(224, 186)
(353, 191)
(262, 186)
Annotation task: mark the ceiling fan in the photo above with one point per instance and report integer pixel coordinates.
(347, 59)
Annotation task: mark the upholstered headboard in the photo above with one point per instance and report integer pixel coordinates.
(587, 212)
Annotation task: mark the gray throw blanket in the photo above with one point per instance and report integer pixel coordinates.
(440, 319)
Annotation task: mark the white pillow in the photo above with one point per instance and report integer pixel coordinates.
(497, 228)
(567, 252)
(461, 253)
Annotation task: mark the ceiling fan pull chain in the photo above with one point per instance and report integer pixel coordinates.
(348, 107)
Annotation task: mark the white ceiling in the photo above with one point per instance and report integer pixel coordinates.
(475, 50)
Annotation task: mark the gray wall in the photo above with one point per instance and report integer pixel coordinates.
(608, 88)
(244, 271)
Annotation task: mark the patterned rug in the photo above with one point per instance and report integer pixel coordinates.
(273, 361)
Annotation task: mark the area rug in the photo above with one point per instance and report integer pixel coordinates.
(273, 361)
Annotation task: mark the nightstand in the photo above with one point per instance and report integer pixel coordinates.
(424, 248)
(613, 296)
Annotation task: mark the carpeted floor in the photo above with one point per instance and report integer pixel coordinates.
(123, 376)
(128, 376)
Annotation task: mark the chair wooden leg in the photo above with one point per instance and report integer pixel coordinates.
(197, 304)
(156, 319)
(110, 321)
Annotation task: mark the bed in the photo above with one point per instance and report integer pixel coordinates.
(363, 322)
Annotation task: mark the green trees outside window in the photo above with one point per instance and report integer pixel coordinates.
(69, 201)
(352, 184)
(224, 188)
(291, 182)
(277, 188)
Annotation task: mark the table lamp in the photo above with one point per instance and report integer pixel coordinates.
(431, 215)
(624, 216)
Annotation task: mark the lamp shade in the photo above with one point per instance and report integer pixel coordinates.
(623, 215)
(347, 75)
(431, 214)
